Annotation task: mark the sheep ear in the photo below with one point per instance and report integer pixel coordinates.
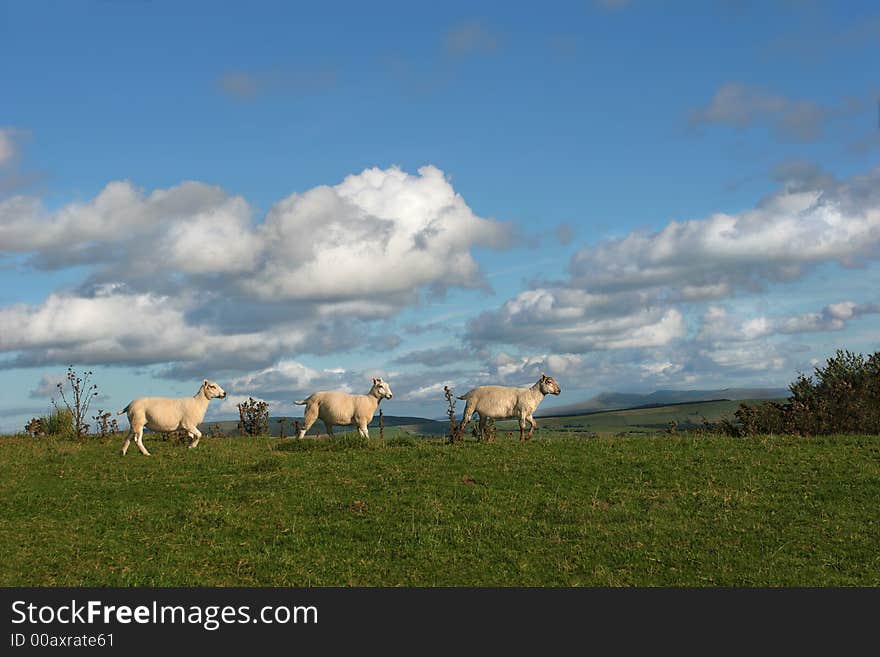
(205, 382)
(374, 380)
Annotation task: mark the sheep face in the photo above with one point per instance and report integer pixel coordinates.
(381, 389)
(549, 385)
(212, 390)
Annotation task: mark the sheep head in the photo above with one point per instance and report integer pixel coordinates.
(381, 389)
(548, 385)
(212, 390)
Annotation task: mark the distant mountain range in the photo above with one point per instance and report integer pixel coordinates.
(608, 401)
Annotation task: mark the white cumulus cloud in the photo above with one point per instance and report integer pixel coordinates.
(718, 324)
(188, 277)
(635, 291)
(382, 233)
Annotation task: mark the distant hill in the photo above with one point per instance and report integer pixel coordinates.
(676, 400)
(645, 420)
(607, 401)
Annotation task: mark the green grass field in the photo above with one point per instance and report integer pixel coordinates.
(671, 511)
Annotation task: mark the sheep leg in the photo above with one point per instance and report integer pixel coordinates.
(534, 425)
(466, 416)
(362, 430)
(139, 441)
(482, 427)
(311, 415)
(329, 428)
(134, 426)
(195, 434)
(126, 443)
(522, 428)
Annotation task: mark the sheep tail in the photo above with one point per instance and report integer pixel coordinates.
(124, 410)
(463, 397)
(300, 403)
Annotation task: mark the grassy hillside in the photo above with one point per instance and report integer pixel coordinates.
(672, 511)
(635, 421)
(619, 400)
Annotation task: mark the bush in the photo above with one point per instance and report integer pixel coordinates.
(842, 397)
(59, 424)
(105, 423)
(254, 417)
(216, 431)
(81, 395)
(34, 428)
(455, 434)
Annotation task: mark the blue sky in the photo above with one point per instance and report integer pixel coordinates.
(628, 195)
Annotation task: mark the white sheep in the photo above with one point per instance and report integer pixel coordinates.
(167, 414)
(344, 409)
(499, 402)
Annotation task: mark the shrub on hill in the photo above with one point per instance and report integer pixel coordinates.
(253, 417)
(59, 424)
(842, 397)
